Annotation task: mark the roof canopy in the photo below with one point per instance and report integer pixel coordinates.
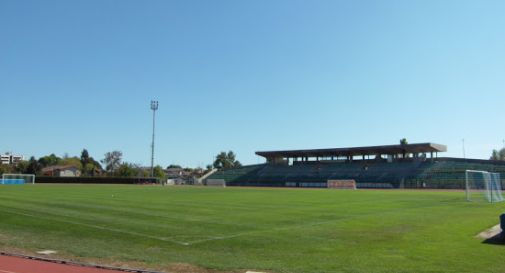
(351, 151)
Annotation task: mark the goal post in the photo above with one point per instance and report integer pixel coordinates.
(16, 179)
(349, 184)
(215, 182)
(483, 185)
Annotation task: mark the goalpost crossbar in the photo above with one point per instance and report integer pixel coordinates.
(16, 179)
(483, 183)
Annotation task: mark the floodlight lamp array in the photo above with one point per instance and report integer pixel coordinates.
(154, 105)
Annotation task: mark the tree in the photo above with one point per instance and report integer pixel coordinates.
(174, 166)
(403, 141)
(112, 161)
(158, 172)
(21, 167)
(226, 161)
(33, 166)
(498, 155)
(72, 161)
(501, 154)
(126, 170)
(5, 168)
(494, 155)
(49, 160)
(89, 169)
(84, 157)
(142, 172)
(90, 166)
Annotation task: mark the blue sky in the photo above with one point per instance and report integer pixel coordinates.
(248, 76)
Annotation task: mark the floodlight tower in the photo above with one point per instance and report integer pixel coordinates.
(154, 107)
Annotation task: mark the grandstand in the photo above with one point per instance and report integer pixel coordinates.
(388, 166)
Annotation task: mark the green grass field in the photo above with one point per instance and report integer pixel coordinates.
(232, 229)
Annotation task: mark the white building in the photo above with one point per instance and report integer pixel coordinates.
(62, 171)
(9, 158)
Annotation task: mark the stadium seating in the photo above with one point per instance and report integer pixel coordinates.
(437, 173)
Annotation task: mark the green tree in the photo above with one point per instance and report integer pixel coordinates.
(158, 172)
(89, 169)
(112, 161)
(403, 141)
(33, 166)
(49, 160)
(5, 168)
(84, 157)
(21, 167)
(94, 167)
(72, 161)
(140, 171)
(226, 161)
(498, 155)
(90, 166)
(126, 170)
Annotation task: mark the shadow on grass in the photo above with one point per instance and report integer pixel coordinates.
(498, 239)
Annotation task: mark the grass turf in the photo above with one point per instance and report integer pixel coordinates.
(280, 230)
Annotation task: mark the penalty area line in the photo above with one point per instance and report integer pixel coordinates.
(310, 224)
(100, 227)
(215, 238)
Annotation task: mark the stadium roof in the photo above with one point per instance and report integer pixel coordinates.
(351, 151)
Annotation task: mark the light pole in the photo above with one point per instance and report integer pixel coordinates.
(154, 107)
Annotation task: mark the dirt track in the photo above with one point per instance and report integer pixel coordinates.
(10, 264)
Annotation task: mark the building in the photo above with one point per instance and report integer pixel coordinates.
(61, 171)
(9, 159)
(180, 176)
(175, 172)
(387, 166)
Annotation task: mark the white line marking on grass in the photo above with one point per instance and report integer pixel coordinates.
(47, 252)
(213, 238)
(490, 232)
(137, 212)
(101, 227)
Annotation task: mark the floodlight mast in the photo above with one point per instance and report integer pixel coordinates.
(154, 107)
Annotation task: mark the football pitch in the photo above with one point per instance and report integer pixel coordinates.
(262, 229)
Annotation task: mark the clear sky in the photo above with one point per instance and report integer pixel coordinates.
(248, 76)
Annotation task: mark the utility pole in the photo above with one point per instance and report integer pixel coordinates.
(154, 107)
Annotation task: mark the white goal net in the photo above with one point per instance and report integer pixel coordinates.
(216, 182)
(482, 185)
(349, 184)
(15, 178)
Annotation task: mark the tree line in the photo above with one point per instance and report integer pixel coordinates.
(87, 165)
(498, 154)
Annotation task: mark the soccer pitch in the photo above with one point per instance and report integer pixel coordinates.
(275, 230)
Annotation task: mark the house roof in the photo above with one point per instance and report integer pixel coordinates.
(58, 168)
